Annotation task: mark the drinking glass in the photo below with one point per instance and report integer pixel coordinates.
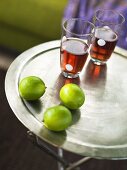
(107, 28)
(75, 41)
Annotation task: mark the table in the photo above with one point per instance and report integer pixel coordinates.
(99, 128)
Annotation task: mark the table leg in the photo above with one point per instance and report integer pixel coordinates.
(43, 146)
(75, 165)
(60, 153)
(62, 163)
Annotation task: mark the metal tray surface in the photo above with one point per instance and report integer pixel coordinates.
(99, 127)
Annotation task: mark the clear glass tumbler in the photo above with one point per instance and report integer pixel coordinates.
(75, 41)
(107, 29)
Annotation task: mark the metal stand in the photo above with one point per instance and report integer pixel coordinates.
(62, 163)
(60, 154)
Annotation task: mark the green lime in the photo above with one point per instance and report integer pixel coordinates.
(57, 118)
(72, 96)
(31, 88)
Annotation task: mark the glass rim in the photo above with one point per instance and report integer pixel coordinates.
(115, 12)
(74, 19)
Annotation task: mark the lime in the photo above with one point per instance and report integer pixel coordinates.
(72, 96)
(57, 118)
(31, 88)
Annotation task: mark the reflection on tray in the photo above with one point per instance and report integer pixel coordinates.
(58, 138)
(95, 74)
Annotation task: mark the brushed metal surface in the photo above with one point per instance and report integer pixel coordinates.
(99, 127)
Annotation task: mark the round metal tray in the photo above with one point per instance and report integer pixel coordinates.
(99, 127)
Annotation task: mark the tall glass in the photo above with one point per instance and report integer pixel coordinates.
(108, 25)
(75, 41)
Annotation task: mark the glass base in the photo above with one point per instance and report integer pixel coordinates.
(70, 75)
(98, 62)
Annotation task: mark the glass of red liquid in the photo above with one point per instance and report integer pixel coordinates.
(75, 42)
(108, 24)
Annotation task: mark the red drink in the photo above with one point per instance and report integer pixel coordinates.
(73, 55)
(103, 44)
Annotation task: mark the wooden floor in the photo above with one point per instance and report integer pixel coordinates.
(17, 152)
